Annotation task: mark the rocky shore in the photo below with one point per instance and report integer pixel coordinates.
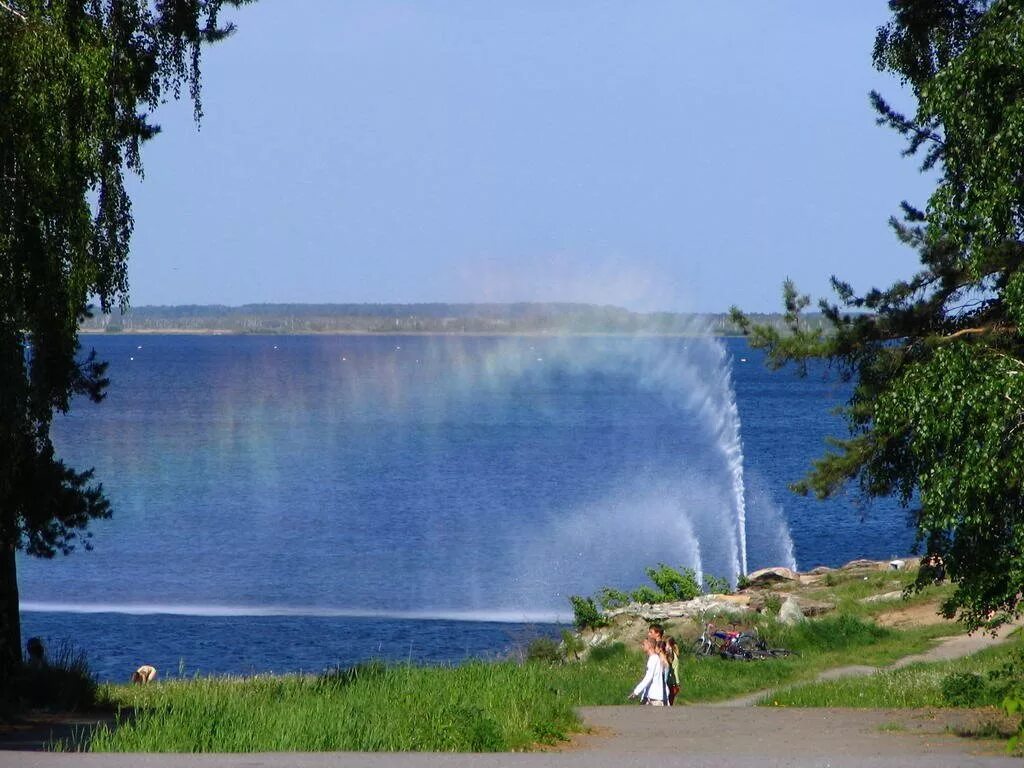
(794, 596)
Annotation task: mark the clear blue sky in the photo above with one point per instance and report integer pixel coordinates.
(657, 155)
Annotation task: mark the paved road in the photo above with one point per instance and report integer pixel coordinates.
(688, 737)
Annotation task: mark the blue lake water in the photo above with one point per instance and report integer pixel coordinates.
(289, 503)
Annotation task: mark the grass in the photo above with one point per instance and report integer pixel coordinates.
(914, 686)
(65, 683)
(478, 707)
(847, 589)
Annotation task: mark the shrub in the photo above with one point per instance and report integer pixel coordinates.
(716, 585)
(743, 581)
(772, 604)
(674, 585)
(572, 645)
(609, 598)
(544, 649)
(585, 613)
(647, 595)
(65, 683)
(963, 689)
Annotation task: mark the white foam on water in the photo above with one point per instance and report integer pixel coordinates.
(171, 609)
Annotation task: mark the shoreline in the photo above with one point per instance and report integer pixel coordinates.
(385, 334)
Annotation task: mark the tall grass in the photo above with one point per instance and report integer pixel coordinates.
(65, 683)
(478, 707)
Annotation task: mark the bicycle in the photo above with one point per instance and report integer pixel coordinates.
(720, 642)
(735, 645)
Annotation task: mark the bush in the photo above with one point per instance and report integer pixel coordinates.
(585, 613)
(66, 683)
(609, 598)
(716, 585)
(772, 604)
(674, 585)
(963, 689)
(572, 645)
(647, 595)
(544, 649)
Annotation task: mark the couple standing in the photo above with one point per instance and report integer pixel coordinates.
(660, 683)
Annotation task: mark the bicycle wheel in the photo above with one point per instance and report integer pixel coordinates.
(700, 647)
(781, 653)
(746, 643)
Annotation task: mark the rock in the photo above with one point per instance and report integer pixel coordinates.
(811, 608)
(872, 565)
(898, 565)
(768, 576)
(732, 605)
(820, 570)
(886, 597)
(790, 612)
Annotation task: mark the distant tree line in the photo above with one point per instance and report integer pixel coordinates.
(414, 318)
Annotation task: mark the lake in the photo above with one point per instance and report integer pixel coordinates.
(287, 503)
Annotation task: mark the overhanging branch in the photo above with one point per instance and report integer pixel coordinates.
(12, 10)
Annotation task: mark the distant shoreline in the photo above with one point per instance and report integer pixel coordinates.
(530, 334)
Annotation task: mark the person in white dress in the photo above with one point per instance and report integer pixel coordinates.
(651, 690)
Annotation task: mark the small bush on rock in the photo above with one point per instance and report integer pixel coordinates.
(674, 585)
(585, 613)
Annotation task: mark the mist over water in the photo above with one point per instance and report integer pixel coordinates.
(407, 476)
(298, 485)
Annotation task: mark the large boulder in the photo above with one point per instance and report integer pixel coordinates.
(790, 612)
(767, 577)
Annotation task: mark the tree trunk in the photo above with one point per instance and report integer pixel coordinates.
(10, 618)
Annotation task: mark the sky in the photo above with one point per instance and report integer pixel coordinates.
(656, 155)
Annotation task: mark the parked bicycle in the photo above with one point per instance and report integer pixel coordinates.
(725, 643)
(736, 645)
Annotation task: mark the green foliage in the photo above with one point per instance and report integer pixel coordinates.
(572, 645)
(958, 683)
(476, 707)
(65, 683)
(585, 613)
(937, 360)
(716, 585)
(545, 650)
(742, 582)
(645, 594)
(772, 604)
(669, 585)
(674, 585)
(603, 653)
(80, 81)
(963, 689)
(609, 598)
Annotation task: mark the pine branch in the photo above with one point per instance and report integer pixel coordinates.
(12, 10)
